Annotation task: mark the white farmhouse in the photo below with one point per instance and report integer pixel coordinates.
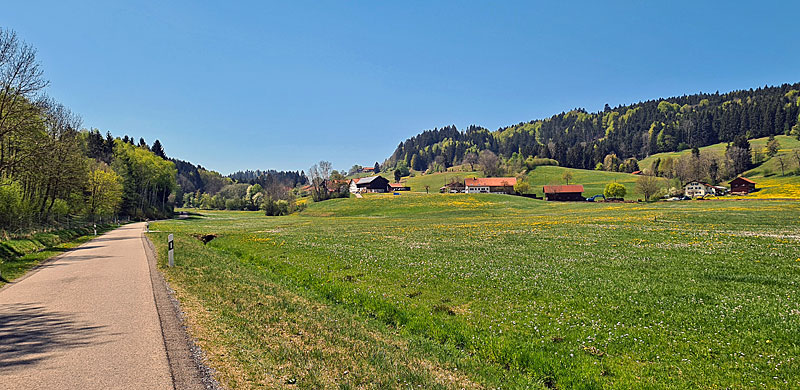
(696, 188)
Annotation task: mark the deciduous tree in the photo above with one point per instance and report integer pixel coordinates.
(648, 185)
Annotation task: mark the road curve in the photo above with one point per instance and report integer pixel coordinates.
(85, 321)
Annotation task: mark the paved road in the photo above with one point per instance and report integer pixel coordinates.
(85, 321)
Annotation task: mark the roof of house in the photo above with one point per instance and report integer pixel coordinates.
(491, 182)
(397, 185)
(699, 182)
(367, 180)
(368, 169)
(743, 178)
(636, 173)
(563, 189)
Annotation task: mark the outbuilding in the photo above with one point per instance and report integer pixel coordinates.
(399, 187)
(742, 185)
(568, 193)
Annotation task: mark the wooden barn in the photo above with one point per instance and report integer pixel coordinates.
(742, 185)
(369, 184)
(564, 193)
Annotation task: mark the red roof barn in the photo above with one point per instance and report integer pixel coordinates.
(570, 192)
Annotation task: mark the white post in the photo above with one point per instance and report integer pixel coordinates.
(171, 249)
(95, 229)
(147, 226)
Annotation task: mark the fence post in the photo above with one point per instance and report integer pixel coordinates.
(171, 249)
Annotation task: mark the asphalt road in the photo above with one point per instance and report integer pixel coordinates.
(85, 321)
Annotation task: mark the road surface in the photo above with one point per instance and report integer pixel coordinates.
(85, 321)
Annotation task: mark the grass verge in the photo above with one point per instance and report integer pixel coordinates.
(18, 256)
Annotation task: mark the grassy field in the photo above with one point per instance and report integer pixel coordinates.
(594, 182)
(493, 291)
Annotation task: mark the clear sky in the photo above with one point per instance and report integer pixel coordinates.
(239, 85)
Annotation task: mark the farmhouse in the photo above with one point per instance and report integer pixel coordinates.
(399, 187)
(369, 184)
(367, 170)
(570, 192)
(696, 188)
(490, 185)
(742, 185)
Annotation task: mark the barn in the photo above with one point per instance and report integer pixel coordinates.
(369, 184)
(570, 192)
(742, 185)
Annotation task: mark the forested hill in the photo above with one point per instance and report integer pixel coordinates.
(582, 139)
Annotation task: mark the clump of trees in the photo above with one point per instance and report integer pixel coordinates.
(324, 186)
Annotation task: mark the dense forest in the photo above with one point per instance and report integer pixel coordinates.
(581, 139)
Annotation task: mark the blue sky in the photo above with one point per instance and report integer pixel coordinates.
(260, 85)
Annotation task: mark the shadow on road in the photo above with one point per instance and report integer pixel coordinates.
(29, 334)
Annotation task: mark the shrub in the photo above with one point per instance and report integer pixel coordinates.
(614, 191)
(533, 162)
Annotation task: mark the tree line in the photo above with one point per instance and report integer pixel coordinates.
(53, 172)
(614, 138)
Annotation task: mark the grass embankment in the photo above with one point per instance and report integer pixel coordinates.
(18, 256)
(496, 291)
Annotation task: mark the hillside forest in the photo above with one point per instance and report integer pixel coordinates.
(616, 139)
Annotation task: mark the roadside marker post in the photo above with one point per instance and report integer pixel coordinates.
(95, 229)
(171, 249)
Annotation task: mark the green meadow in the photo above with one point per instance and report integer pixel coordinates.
(494, 291)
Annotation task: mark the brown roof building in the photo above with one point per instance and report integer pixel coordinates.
(570, 192)
(742, 185)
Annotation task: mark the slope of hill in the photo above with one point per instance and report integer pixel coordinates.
(593, 182)
(758, 145)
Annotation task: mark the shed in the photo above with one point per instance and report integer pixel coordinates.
(569, 192)
(742, 185)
